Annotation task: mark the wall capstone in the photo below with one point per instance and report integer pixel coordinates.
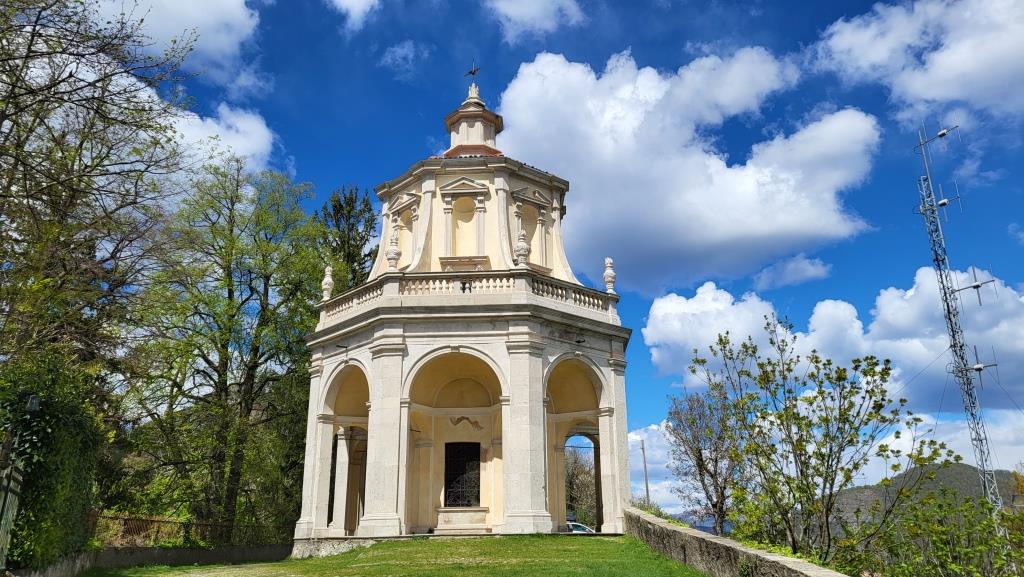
(716, 556)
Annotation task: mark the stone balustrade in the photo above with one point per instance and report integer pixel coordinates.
(423, 289)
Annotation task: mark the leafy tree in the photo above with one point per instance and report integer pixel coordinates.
(349, 225)
(806, 429)
(581, 485)
(704, 448)
(84, 140)
(943, 533)
(225, 327)
(87, 138)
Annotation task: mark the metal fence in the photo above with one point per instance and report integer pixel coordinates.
(123, 531)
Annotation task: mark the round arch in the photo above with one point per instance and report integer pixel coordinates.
(433, 354)
(351, 371)
(575, 372)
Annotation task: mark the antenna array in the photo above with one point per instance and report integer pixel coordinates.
(961, 366)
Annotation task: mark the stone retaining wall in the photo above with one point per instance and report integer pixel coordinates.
(133, 556)
(716, 556)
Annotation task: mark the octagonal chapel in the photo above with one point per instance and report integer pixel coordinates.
(444, 388)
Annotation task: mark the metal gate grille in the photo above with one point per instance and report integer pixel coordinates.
(462, 474)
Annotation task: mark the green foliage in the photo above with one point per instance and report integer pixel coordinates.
(796, 431)
(59, 447)
(348, 224)
(219, 388)
(654, 509)
(941, 533)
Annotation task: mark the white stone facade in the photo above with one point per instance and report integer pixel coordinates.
(472, 338)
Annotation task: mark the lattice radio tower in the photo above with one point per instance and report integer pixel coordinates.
(961, 367)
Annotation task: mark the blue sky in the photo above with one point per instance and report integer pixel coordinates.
(736, 158)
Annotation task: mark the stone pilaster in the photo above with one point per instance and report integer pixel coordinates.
(304, 526)
(610, 506)
(524, 442)
(383, 443)
(620, 432)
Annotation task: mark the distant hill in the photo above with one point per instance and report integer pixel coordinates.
(960, 477)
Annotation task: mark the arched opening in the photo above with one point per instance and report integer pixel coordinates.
(574, 391)
(582, 499)
(454, 484)
(348, 402)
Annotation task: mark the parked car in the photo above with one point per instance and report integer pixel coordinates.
(579, 528)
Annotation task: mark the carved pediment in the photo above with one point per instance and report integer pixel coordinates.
(402, 201)
(463, 185)
(532, 196)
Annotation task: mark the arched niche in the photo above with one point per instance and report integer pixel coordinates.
(464, 230)
(405, 237)
(529, 216)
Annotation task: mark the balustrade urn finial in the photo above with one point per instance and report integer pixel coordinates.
(327, 285)
(609, 276)
(522, 250)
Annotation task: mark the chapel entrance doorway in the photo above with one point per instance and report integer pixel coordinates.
(454, 479)
(462, 474)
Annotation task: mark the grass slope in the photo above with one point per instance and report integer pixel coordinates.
(548, 555)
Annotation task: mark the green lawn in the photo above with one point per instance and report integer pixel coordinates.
(547, 555)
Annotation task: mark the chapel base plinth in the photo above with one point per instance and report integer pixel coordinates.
(462, 521)
(528, 522)
(382, 526)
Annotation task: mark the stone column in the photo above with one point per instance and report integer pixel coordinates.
(523, 443)
(542, 230)
(341, 488)
(560, 499)
(609, 486)
(322, 474)
(481, 211)
(447, 200)
(383, 442)
(304, 526)
(403, 462)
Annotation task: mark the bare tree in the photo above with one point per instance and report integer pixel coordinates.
(704, 445)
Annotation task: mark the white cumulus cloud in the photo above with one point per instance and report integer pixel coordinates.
(934, 52)
(236, 130)
(356, 11)
(905, 325)
(649, 187)
(791, 271)
(659, 477)
(222, 28)
(520, 18)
